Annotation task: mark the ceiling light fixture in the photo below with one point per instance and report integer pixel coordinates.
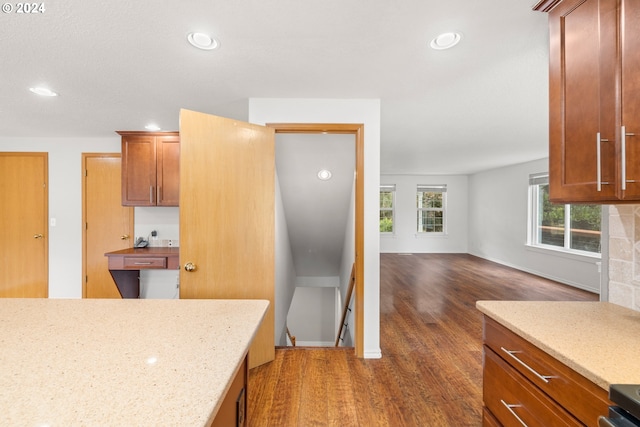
(42, 91)
(324, 174)
(152, 127)
(446, 41)
(203, 41)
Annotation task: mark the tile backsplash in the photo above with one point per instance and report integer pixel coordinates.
(624, 255)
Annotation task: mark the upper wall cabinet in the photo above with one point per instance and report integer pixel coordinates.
(594, 88)
(150, 168)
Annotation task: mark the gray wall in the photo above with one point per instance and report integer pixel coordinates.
(498, 212)
(405, 238)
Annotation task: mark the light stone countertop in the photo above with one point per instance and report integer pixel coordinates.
(599, 340)
(120, 362)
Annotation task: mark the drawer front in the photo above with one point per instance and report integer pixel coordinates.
(488, 420)
(142, 263)
(585, 400)
(514, 401)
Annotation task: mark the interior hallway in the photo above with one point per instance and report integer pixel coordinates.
(431, 339)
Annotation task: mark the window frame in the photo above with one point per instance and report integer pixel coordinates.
(534, 221)
(392, 189)
(437, 188)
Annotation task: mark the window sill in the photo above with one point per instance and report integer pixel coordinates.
(581, 256)
(431, 235)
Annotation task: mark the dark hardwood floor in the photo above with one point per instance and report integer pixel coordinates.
(430, 373)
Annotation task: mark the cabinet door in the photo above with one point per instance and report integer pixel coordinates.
(138, 170)
(168, 173)
(582, 90)
(630, 86)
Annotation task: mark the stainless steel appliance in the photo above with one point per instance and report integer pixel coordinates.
(627, 411)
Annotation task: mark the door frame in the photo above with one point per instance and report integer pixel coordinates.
(358, 131)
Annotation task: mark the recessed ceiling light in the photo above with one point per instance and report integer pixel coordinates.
(324, 174)
(42, 91)
(446, 41)
(202, 41)
(152, 126)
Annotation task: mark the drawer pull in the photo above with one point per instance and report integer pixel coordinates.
(511, 353)
(510, 409)
(142, 263)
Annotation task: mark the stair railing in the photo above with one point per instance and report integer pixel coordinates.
(292, 338)
(347, 302)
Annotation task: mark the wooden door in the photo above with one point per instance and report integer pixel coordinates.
(227, 192)
(582, 91)
(108, 224)
(24, 235)
(630, 52)
(168, 175)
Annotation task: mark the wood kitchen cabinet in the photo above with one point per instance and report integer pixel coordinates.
(150, 168)
(594, 107)
(524, 385)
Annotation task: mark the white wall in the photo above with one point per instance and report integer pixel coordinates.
(158, 284)
(65, 203)
(312, 314)
(405, 237)
(367, 112)
(285, 274)
(498, 211)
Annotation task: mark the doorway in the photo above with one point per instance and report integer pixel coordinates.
(357, 130)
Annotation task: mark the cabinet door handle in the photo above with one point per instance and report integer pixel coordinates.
(623, 160)
(510, 409)
(598, 165)
(151, 194)
(512, 353)
(599, 142)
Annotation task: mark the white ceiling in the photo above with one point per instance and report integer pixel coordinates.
(119, 65)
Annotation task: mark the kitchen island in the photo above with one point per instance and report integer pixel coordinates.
(122, 362)
(552, 362)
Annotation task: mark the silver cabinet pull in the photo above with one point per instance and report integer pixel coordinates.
(598, 165)
(142, 263)
(599, 142)
(151, 194)
(623, 160)
(510, 409)
(512, 353)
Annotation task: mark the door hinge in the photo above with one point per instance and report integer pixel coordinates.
(85, 172)
(86, 225)
(86, 279)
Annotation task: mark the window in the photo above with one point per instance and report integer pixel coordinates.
(431, 202)
(387, 201)
(573, 228)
